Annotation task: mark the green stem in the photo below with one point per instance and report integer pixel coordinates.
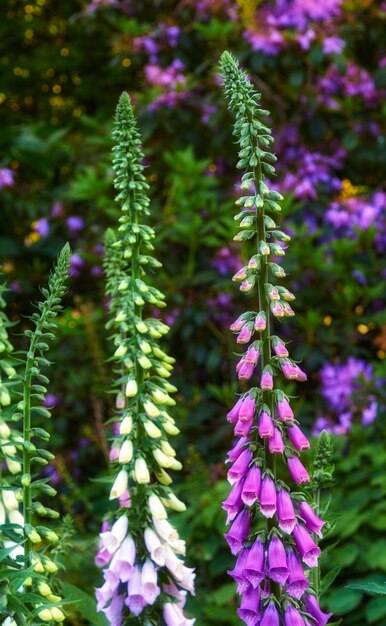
(265, 357)
(27, 496)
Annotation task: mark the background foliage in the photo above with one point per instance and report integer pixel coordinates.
(322, 72)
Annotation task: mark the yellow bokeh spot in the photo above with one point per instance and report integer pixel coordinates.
(56, 89)
(28, 8)
(29, 33)
(31, 239)
(45, 88)
(2, 97)
(64, 52)
(8, 267)
(126, 62)
(212, 167)
(381, 354)
(359, 309)
(362, 329)
(14, 106)
(327, 321)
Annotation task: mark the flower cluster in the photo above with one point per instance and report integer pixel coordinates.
(271, 563)
(343, 386)
(27, 557)
(140, 551)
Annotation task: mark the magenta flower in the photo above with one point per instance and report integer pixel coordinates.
(260, 322)
(237, 325)
(243, 428)
(240, 466)
(280, 349)
(313, 608)
(245, 334)
(233, 414)
(247, 409)
(270, 616)
(298, 438)
(297, 470)
(276, 443)
(234, 454)
(297, 582)
(251, 486)
(244, 370)
(285, 512)
(232, 504)
(292, 617)
(254, 566)
(238, 572)
(266, 382)
(238, 531)
(252, 355)
(277, 561)
(268, 497)
(266, 427)
(249, 610)
(284, 410)
(311, 520)
(306, 546)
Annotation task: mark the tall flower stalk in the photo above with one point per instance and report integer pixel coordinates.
(27, 562)
(270, 570)
(141, 553)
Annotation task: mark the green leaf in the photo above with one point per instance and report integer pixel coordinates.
(84, 604)
(369, 588)
(375, 609)
(342, 601)
(329, 578)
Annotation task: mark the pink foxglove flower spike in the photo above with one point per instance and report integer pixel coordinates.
(274, 588)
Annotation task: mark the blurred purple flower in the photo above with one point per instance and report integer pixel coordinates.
(76, 265)
(51, 400)
(333, 45)
(57, 209)
(75, 224)
(41, 226)
(343, 386)
(226, 261)
(7, 177)
(97, 271)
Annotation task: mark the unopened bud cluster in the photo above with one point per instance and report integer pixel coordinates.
(31, 593)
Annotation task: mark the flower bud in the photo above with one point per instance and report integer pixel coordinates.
(120, 485)
(131, 388)
(32, 534)
(151, 409)
(126, 425)
(126, 452)
(141, 471)
(120, 351)
(152, 430)
(44, 589)
(174, 503)
(156, 507)
(45, 615)
(57, 614)
(162, 459)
